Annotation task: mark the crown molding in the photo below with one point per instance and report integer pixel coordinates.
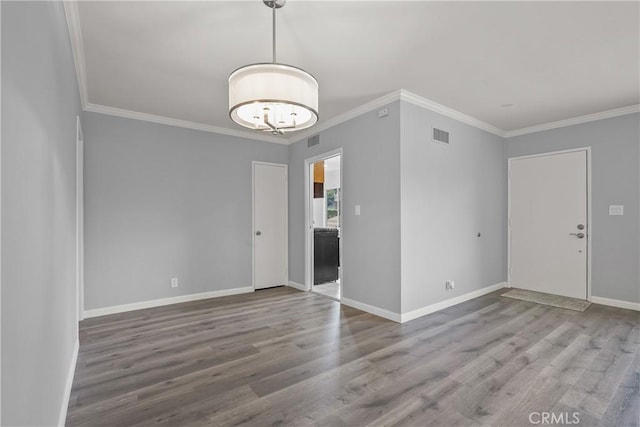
(77, 48)
(396, 95)
(414, 99)
(575, 120)
(358, 111)
(119, 112)
(365, 108)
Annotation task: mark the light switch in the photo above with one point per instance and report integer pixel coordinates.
(357, 209)
(616, 210)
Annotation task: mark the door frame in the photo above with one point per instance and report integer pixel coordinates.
(308, 220)
(253, 220)
(587, 150)
(79, 220)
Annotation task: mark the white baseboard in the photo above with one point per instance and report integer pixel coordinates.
(414, 314)
(67, 388)
(371, 309)
(297, 285)
(164, 301)
(616, 303)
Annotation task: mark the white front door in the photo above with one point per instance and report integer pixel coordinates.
(269, 225)
(548, 227)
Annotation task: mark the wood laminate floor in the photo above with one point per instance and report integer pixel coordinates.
(285, 357)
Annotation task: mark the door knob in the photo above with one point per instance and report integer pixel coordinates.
(258, 233)
(580, 226)
(578, 235)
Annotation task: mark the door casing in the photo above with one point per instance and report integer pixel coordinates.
(308, 222)
(253, 220)
(79, 220)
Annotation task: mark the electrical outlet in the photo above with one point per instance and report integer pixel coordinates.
(174, 282)
(449, 284)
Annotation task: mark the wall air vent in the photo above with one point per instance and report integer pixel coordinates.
(440, 136)
(313, 141)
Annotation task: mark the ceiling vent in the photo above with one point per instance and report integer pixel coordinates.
(440, 136)
(313, 141)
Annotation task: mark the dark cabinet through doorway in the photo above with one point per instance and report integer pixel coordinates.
(326, 255)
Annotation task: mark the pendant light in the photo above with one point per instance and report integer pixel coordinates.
(273, 97)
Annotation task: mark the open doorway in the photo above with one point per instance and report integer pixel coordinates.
(325, 225)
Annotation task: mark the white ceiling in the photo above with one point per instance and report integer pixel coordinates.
(552, 60)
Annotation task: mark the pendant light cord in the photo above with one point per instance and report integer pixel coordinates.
(273, 13)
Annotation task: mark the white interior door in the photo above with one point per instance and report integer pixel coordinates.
(548, 223)
(269, 225)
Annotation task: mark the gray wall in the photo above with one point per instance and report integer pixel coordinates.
(449, 194)
(163, 202)
(615, 146)
(40, 103)
(371, 179)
